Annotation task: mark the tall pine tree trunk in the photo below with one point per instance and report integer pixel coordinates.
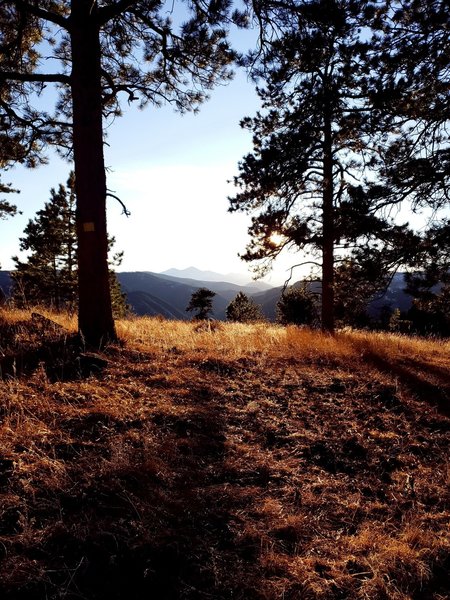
(56, 286)
(327, 231)
(95, 320)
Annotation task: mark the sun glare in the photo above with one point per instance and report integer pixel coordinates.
(276, 238)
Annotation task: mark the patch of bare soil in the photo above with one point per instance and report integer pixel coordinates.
(189, 475)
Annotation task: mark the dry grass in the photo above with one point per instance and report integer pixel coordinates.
(239, 461)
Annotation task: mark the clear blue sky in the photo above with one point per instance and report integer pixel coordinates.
(171, 171)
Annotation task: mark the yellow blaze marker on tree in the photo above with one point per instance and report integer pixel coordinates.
(88, 226)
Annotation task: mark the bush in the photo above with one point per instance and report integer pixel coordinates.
(244, 310)
(297, 306)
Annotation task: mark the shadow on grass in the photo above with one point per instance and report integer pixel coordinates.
(172, 495)
(146, 521)
(426, 382)
(42, 343)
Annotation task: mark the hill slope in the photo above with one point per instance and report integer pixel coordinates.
(5, 283)
(211, 276)
(245, 462)
(167, 295)
(173, 293)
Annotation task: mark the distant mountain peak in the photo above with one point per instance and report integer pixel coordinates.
(193, 273)
(199, 275)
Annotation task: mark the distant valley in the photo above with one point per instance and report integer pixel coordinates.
(168, 293)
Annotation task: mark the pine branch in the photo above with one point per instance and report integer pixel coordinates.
(116, 88)
(44, 14)
(125, 210)
(107, 13)
(36, 124)
(34, 77)
(291, 271)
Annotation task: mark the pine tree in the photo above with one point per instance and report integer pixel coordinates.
(49, 275)
(6, 208)
(21, 135)
(243, 309)
(313, 139)
(99, 51)
(428, 282)
(412, 85)
(119, 304)
(358, 282)
(201, 302)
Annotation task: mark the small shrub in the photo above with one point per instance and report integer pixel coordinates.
(297, 306)
(243, 309)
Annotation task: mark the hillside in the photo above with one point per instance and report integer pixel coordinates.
(239, 462)
(168, 295)
(5, 283)
(175, 292)
(212, 276)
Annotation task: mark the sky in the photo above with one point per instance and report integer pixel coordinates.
(172, 172)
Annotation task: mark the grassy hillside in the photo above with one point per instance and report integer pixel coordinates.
(243, 462)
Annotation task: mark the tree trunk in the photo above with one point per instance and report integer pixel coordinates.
(95, 320)
(327, 232)
(56, 285)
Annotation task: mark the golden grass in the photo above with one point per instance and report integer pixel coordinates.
(236, 339)
(395, 346)
(233, 461)
(14, 316)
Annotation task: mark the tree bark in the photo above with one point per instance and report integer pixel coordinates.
(95, 320)
(327, 231)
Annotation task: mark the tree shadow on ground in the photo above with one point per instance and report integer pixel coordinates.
(151, 523)
(427, 382)
(41, 343)
(179, 476)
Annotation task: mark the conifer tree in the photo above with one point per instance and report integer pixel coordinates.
(6, 208)
(358, 282)
(98, 51)
(201, 302)
(411, 70)
(314, 138)
(243, 309)
(119, 304)
(428, 282)
(49, 274)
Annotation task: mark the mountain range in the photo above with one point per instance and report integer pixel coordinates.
(168, 293)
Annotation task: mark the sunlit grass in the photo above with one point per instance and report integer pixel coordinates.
(247, 461)
(235, 340)
(15, 315)
(398, 345)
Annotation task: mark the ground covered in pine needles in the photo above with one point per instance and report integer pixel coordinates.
(223, 462)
